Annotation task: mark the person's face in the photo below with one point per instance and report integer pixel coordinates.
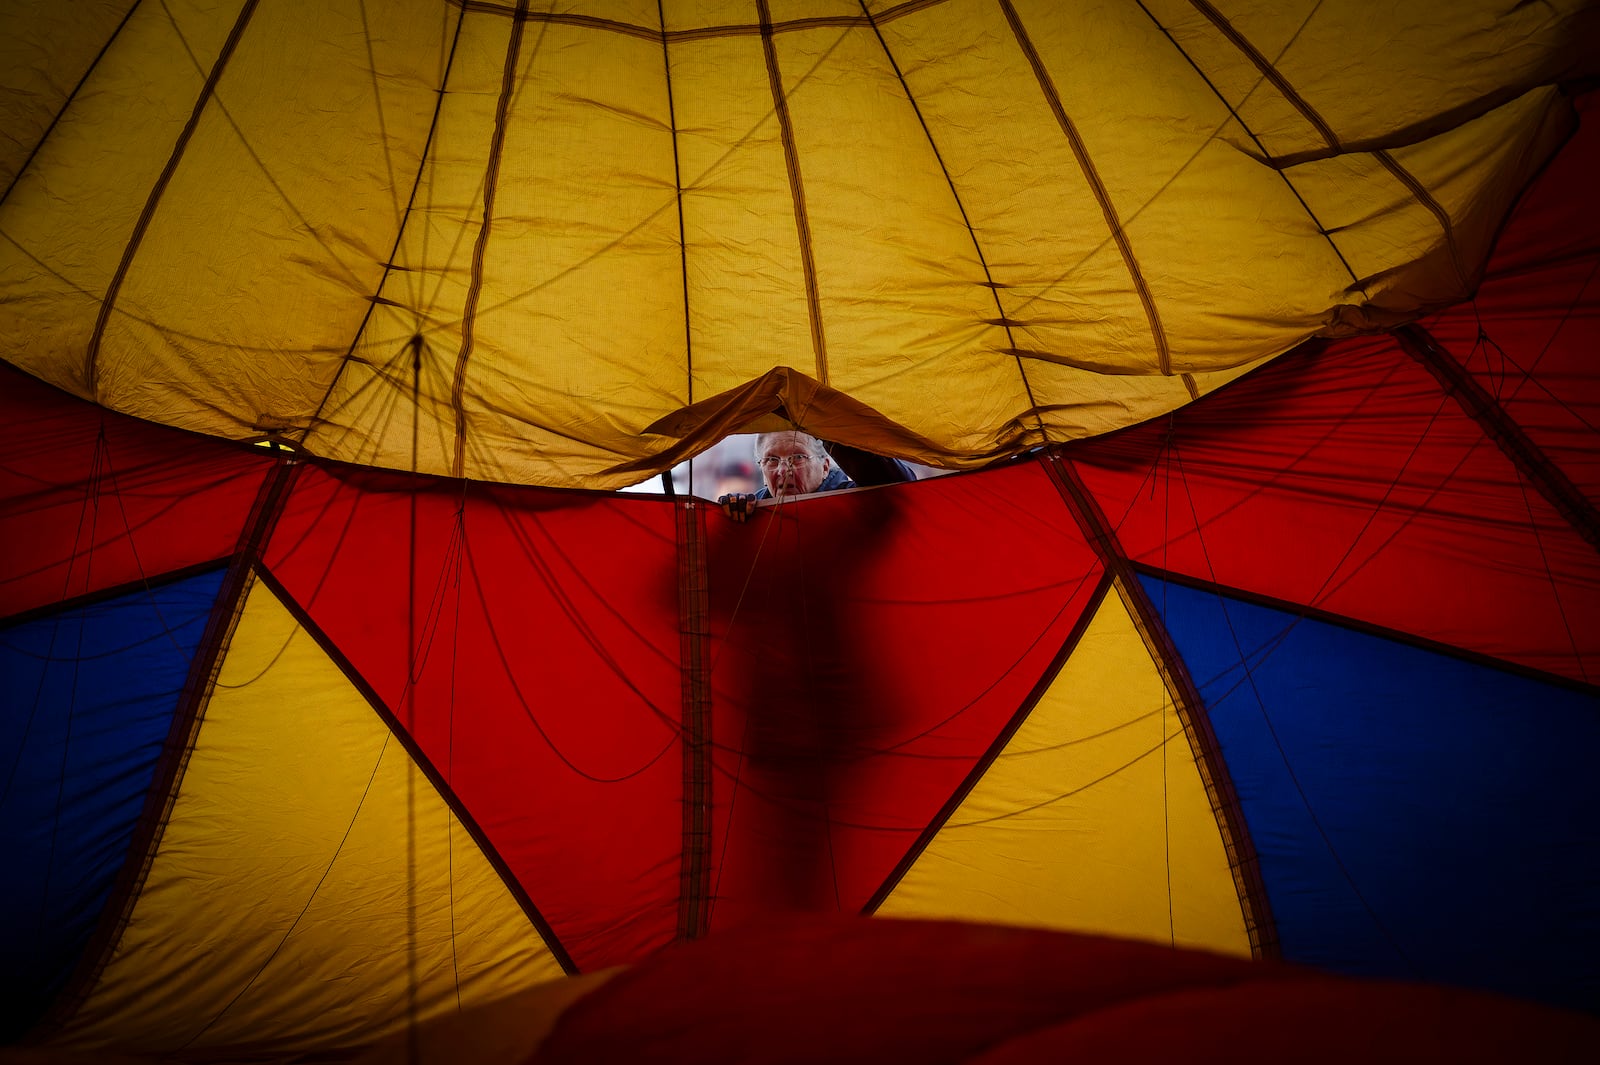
(788, 465)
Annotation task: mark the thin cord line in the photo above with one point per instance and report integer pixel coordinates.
(409, 702)
(89, 502)
(108, 300)
(1330, 587)
(459, 536)
(983, 260)
(284, 939)
(304, 225)
(1555, 590)
(897, 747)
(1486, 341)
(683, 240)
(574, 615)
(792, 806)
(67, 103)
(1321, 229)
(527, 708)
(1272, 732)
(447, 63)
(1060, 796)
(96, 475)
(388, 400)
(1348, 415)
(110, 477)
(1167, 447)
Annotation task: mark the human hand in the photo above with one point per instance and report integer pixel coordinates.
(738, 505)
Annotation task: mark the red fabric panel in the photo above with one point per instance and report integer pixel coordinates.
(1539, 311)
(91, 500)
(1345, 479)
(1312, 1022)
(868, 649)
(849, 990)
(548, 696)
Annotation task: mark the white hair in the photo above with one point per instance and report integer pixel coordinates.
(815, 446)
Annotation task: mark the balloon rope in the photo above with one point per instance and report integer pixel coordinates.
(1167, 447)
(459, 536)
(84, 509)
(410, 720)
(1555, 588)
(96, 477)
(1261, 705)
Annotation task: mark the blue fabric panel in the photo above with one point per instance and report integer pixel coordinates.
(1417, 816)
(88, 697)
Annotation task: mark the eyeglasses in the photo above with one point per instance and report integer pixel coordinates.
(773, 462)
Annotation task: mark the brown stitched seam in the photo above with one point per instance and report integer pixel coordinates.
(977, 248)
(1242, 859)
(699, 33)
(997, 748)
(389, 266)
(114, 591)
(1080, 152)
(1268, 71)
(683, 240)
(1426, 199)
(694, 640)
(1310, 114)
(1302, 611)
(421, 761)
(1528, 458)
(1260, 148)
(91, 365)
(167, 779)
(71, 96)
(797, 194)
(491, 180)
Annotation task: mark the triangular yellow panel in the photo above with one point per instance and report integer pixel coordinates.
(312, 883)
(1094, 817)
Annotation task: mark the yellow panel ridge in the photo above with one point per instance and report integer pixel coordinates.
(1093, 818)
(316, 869)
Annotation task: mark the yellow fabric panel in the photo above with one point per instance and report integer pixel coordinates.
(263, 335)
(79, 28)
(369, 412)
(1252, 247)
(642, 14)
(689, 15)
(73, 211)
(1107, 158)
(509, 1029)
(1017, 180)
(747, 297)
(586, 223)
(903, 301)
(308, 866)
(1368, 71)
(698, 14)
(1094, 817)
(1378, 222)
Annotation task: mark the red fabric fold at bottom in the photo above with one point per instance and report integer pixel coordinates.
(852, 989)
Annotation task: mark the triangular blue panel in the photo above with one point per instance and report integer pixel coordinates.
(1417, 816)
(88, 697)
